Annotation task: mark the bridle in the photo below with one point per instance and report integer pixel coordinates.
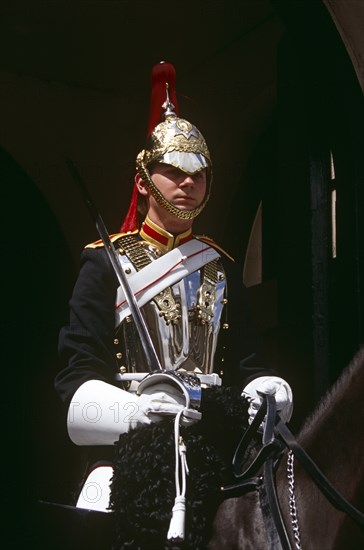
(260, 474)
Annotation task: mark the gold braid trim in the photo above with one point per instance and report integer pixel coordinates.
(131, 247)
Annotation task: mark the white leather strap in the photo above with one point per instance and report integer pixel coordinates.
(162, 273)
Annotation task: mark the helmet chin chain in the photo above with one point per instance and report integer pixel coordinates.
(163, 202)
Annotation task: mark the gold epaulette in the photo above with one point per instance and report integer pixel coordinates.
(113, 238)
(212, 243)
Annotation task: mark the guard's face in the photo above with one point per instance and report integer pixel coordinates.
(184, 191)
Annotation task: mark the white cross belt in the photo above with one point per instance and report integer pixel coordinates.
(162, 273)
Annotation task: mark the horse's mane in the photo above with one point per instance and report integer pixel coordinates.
(349, 379)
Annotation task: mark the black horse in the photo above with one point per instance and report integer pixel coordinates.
(334, 438)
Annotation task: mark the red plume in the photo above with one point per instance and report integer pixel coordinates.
(130, 222)
(162, 74)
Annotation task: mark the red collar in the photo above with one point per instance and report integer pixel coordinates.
(160, 238)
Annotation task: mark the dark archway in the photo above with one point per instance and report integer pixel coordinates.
(34, 304)
(310, 147)
(320, 108)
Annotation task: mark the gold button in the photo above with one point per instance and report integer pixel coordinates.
(123, 370)
(116, 341)
(225, 326)
(119, 355)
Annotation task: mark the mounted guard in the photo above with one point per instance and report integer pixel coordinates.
(157, 315)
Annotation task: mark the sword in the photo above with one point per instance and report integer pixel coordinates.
(148, 347)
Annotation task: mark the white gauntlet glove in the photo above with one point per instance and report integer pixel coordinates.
(100, 412)
(272, 385)
(160, 400)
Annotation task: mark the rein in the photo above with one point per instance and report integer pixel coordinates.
(263, 467)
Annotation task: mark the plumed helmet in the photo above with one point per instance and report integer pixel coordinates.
(177, 142)
(170, 140)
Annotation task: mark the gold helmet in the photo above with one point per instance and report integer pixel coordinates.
(173, 141)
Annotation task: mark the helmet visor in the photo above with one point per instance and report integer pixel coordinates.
(191, 163)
